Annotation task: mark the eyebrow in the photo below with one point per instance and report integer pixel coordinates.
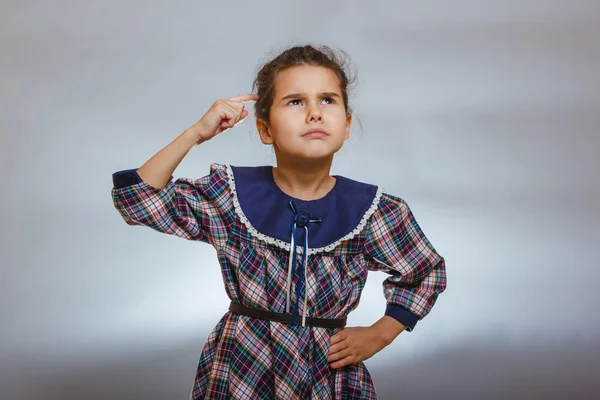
(300, 95)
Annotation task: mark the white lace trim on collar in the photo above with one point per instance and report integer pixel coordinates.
(286, 246)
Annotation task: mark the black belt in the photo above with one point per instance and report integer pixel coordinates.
(287, 318)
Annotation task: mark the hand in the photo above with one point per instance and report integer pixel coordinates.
(223, 114)
(353, 345)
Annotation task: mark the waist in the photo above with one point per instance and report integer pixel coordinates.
(286, 318)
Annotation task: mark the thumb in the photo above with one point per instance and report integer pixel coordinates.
(230, 124)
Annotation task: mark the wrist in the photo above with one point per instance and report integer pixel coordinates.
(387, 329)
(191, 138)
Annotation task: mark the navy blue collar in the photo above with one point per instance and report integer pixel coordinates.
(268, 210)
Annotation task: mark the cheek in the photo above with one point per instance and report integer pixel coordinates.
(336, 113)
(281, 127)
(286, 118)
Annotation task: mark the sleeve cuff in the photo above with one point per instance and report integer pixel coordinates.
(127, 177)
(402, 315)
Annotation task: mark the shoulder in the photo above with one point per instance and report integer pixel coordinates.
(392, 203)
(218, 169)
(212, 185)
(389, 211)
(381, 200)
(354, 186)
(218, 174)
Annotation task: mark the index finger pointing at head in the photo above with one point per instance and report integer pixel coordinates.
(245, 97)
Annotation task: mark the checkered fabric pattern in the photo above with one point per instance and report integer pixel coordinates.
(248, 358)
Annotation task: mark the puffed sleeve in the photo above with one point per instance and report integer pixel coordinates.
(396, 245)
(194, 209)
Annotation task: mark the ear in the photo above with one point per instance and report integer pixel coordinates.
(264, 131)
(348, 124)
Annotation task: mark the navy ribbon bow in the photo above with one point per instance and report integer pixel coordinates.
(301, 220)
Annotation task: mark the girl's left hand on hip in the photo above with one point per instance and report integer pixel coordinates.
(353, 345)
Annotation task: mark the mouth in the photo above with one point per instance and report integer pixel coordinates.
(315, 133)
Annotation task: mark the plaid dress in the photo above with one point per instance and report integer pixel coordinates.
(250, 224)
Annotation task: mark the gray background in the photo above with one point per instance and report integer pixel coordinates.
(482, 115)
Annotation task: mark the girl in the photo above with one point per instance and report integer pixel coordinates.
(294, 244)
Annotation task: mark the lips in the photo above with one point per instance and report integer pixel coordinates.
(315, 133)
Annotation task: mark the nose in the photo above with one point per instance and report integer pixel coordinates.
(314, 115)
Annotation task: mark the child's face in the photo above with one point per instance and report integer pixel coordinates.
(305, 98)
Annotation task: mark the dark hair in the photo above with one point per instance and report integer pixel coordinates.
(323, 56)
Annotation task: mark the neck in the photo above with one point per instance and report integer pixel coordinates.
(302, 179)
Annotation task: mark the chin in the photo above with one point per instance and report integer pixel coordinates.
(315, 150)
(319, 155)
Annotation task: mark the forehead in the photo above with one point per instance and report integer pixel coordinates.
(306, 79)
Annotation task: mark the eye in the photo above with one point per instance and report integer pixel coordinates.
(329, 100)
(296, 101)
